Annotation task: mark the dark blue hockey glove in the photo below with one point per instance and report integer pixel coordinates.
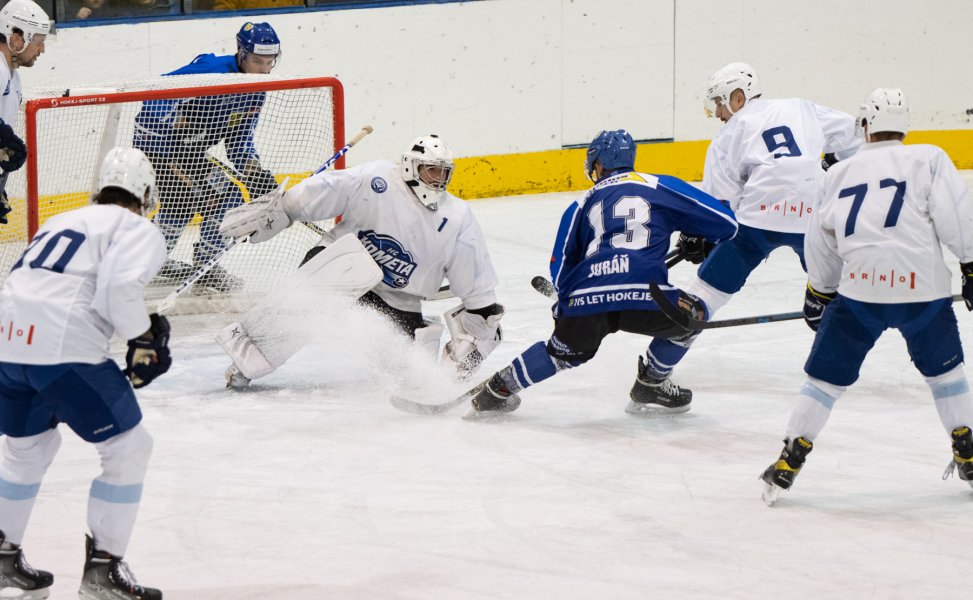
(148, 355)
(814, 304)
(259, 182)
(694, 247)
(15, 148)
(967, 270)
(828, 160)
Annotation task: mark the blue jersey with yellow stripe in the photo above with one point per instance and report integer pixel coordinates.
(186, 128)
(613, 241)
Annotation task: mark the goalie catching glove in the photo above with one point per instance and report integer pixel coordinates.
(261, 219)
(148, 355)
(474, 335)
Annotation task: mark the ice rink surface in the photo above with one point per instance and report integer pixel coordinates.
(310, 485)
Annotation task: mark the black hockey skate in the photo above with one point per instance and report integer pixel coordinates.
(656, 396)
(494, 400)
(17, 574)
(108, 577)
(175, 270)
(216, 281)
(962, 461)
(780, 475)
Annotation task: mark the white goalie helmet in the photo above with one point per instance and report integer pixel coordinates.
(427, 168)
(130, 170)
(734, 76)
(27, 16)
(884, 109)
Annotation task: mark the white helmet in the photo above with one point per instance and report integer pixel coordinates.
(884, 109)
(428, 185)
(734, 76)
(130, 170)
(26, 16)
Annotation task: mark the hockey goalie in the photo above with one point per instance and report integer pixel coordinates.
(400, 234)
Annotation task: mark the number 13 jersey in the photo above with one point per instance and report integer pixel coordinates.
(80, 280)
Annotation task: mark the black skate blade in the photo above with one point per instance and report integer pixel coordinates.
(654, 410)
(493, 415)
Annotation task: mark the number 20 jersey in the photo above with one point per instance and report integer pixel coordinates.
(80, 280)
(766, 160)
(877, 231)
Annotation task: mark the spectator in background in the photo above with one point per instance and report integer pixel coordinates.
(249, 4)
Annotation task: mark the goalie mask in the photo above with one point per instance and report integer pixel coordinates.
(26, 16)
(884, 109)
(427, 169)
(734, 76)
(130, 170)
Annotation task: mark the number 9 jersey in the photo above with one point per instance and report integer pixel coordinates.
(80, 280)
(876, 231)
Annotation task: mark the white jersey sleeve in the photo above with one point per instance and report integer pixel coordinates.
(324, 195)
(766, 160)
(12, 95)
(840, 135)
(470, 270)
(79, 282)
(882, 217)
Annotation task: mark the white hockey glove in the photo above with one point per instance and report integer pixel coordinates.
(473, 338)
(261, 219)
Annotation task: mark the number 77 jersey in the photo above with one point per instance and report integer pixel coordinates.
(80, 280)
(880, 220)
(612, 242)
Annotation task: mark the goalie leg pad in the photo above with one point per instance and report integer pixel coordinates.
(427, 338)
(472, 338)
(273, 330)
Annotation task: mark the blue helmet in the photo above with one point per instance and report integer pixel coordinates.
(258, 38)
(613, 150)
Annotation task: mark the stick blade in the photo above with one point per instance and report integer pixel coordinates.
(417, 408)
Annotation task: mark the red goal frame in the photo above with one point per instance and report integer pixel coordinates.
(34, 106)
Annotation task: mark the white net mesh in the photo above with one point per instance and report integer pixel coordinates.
(210, 153)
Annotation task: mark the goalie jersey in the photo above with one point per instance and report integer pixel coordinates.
(612, 242)
(766, 160)
(881, 217)
(415, 247)
(79, 281)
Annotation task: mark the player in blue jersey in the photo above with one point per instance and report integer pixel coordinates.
(611, 244)
(176, 136)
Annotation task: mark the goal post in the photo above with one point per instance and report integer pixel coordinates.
(292, 125)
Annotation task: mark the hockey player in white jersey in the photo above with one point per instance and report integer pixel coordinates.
(23, 29)
(79, 282)
(875, 261)
(413, 228)
(766, 162)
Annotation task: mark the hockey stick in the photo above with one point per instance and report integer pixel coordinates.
(170, 301)
(237, 178)
(545, 286)
(418, 408)
(690, 324)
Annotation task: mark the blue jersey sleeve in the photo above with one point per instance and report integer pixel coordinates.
(209, 63)
(563, 231)
(699, 213)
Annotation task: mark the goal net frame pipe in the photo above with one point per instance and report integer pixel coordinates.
(35, 106)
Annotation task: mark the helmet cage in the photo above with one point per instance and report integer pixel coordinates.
(427, 168)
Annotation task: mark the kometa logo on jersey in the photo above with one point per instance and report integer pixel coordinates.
(396, 263)
(379, 185)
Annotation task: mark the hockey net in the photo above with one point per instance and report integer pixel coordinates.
(299, 125)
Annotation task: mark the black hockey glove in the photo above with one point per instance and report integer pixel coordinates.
(967, 270)
(4, 207)
(828, 160)
(814, 304)
(13, 151)
(694, 247)
(148, 355)
(259, 182)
